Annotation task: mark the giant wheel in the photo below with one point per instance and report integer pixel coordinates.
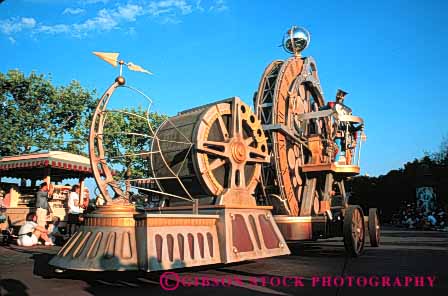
(288, 88)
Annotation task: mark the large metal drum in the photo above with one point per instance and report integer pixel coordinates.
(203, 151)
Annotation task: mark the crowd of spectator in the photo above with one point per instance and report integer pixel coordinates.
(411, 216)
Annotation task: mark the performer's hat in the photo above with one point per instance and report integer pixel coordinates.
(340, 95)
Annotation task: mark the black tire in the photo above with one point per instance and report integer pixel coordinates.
(354, 231)
(374, 227)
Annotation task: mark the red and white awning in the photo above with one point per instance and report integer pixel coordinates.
(58, 160)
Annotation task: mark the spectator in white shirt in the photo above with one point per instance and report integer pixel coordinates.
(30, 232)
(73, 200)
(73, 209)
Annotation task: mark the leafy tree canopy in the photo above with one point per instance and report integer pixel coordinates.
(36, 115)
(128, 138)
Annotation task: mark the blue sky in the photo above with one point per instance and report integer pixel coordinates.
(389, 55)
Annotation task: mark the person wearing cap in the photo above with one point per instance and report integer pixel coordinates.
(347, 134)
(341, 109)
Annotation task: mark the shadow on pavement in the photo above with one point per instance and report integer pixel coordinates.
(316, 249)
(13, 287)
(325, 257)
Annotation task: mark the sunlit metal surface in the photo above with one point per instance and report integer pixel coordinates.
(213, 174)
(296, 40)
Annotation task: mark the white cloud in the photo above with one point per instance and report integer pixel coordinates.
(198, 5)
(219, 5)
(15, 25)
(102, 22)
(105, 20)
(128, 12)
(113, 17)
(28, 22)
(12, 40)
(54, 29)
(156, 8)
(73, 11)
(108, 19)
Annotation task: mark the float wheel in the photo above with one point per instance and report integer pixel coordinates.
(374, 227)
(354, 230)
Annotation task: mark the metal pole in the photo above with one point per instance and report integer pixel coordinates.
(359, 149)
(196, 207)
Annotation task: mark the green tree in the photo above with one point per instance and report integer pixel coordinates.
(36, 115)
(441, 157)
(127, 139)
(389, 192)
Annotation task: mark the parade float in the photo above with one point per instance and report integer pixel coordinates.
(231, 183)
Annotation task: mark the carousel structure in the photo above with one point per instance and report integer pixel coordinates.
(222, 182)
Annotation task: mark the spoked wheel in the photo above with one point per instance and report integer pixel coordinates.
(374, 227)
(354, 231)
(229, 150)
(287, 89)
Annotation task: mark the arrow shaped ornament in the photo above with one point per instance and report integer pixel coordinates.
(112, 58)
(137, 68)
(108, 57)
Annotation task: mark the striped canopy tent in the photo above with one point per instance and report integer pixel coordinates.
(57, 164)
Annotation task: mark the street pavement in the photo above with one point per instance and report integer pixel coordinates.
(405, 258)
